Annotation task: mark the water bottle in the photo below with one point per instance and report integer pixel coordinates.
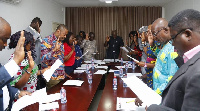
(120, 72)
(63, 95)
(133, 65)
(92, 62)
(126, 67)
(121, 61)
(115, 83)
(87, 68)
(90, 78)
(124, 84)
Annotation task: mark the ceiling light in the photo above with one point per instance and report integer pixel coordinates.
(108, 1)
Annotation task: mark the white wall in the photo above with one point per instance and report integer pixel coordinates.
(20, 16)
(175, 6)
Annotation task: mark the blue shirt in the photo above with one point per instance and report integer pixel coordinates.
(78, 54)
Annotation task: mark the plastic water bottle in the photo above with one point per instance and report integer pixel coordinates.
(87, 68)
(90, 78)
(124, 84)
(120, 72)
(63, 95)
(92, 62)
(133, 65)
(126, 66)
(121, 61)
(115, 83)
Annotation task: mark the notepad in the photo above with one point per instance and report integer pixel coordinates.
(73, 82)
(141, 89)
(128, 104)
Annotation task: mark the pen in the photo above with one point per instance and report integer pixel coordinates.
(130, 101)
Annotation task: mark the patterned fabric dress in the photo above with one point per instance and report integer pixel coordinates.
(151, 58)
(30, 86)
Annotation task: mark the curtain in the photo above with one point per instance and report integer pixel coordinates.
(102, 20)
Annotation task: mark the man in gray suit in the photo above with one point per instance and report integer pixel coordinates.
(182, 93)
(34, 29)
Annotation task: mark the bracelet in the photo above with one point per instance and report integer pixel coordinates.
(28, 72)
(145, 65)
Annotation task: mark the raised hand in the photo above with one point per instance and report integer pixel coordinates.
(107, 38)
(57, 46)
(23, 93)
(87, 37)
(138, 102)
(19, 50)
(150, 37)
(73, 47)
(30, 60)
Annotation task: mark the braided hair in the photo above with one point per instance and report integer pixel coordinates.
(28, 39)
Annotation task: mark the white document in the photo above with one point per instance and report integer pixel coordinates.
(73, 82)
(48, 106)
(88, 62)
(133, 74)
(79, 71)
(141, 89)
(48, 73)
(102, 67)
(128, 104)
(111, 70)
(111, 60)
(118, 67)
(49, 98)
(124, 48)
(133, 58)
(83, 54)
(100, 72)
(28, 100)
(81, 68)
(90, 65)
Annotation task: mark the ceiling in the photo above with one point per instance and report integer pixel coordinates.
(89, 3)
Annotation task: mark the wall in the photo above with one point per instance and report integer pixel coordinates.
(175, 6)
(20, 16)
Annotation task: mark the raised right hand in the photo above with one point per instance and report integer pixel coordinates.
(87, 37)
(150, 37)
(57, 46)
(19, 50)
(138, 102)
(107, 38)
(30, 60)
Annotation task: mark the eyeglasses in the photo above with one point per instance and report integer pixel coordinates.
(173, 37)
(156, 33)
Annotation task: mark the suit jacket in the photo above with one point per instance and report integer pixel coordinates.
(5, 79)
(38, 41)
(182, 93)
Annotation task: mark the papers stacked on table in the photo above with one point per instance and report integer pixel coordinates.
(141, 89)
(73, 82)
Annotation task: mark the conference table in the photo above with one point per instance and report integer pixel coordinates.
(80, 98)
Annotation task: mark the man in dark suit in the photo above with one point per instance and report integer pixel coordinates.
(8, 93)
(182, 93)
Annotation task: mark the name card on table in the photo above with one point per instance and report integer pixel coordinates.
(146, 94)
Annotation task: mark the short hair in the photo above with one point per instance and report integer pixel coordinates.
(66, 40)
(134, 33)
(91, 33)
(188, 18)
(143, 29)
(61, 27)
(84, 35)
(37, 19)
(28, 39)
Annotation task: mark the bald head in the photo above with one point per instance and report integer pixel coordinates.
(5, 32)
(160, 30)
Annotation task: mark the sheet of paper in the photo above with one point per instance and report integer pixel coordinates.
(141, 89)
(100, 72)
(73, 82)
(79, 71)
(88, 62)
(48, 106)
(133, 58)
(124, 48)
(83, 54)
(28, 100)
(102, 67)
(133, 74)
(48, 73)
(118, 67)
(111, 70)
(128, 104)
(49, 98)
(90, 65)
(81, 68)
(111, 60)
